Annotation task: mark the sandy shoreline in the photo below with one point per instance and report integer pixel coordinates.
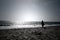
(49, 33)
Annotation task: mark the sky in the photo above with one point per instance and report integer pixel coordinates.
(30, 10)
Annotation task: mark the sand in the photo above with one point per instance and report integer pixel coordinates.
(47, 33)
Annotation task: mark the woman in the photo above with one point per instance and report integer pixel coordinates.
(42, 23)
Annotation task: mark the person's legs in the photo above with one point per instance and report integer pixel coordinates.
(42, 26)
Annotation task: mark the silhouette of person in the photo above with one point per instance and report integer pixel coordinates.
(42, 23)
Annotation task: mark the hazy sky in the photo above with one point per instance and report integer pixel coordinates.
(30, 10)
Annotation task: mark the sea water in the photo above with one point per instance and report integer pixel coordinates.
(16, 26)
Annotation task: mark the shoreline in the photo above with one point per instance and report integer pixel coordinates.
(29, 27)
(39, 33)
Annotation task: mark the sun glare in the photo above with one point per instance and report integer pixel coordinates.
(28, 16)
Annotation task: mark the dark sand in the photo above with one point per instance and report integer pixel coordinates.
(47, 33)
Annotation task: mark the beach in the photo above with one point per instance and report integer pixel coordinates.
(38, 33)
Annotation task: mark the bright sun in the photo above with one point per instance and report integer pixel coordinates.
(28, 16)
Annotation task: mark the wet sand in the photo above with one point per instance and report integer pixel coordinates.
(47, 33)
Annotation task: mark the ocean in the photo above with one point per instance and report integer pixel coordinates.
(28, 25)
